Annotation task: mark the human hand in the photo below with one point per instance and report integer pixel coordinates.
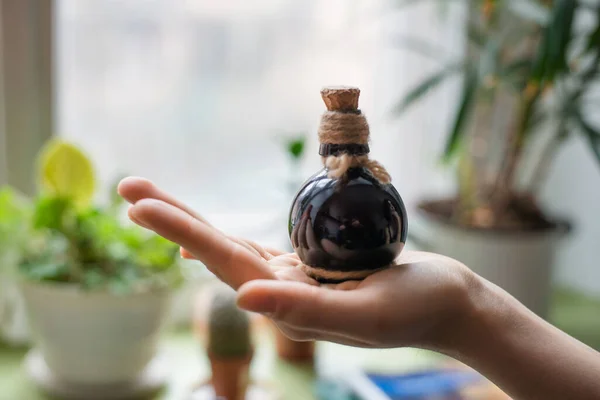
(416, 302)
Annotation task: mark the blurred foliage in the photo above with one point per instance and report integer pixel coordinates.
(14, 209)
(535, 51)
(295, 146)
(61, 237)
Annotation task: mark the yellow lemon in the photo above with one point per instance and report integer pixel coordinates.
(67, 172)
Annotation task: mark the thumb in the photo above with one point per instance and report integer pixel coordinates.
(306, 306)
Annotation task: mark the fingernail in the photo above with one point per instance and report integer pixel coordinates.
(259, 304)
(185, 254)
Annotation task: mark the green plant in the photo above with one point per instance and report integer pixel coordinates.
(228, 326)
(63, 238)
(14, 209)
(531, 57)
(295, 147)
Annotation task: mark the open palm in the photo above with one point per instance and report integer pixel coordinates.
(407, 304)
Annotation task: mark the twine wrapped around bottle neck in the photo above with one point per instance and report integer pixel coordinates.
(341, 124)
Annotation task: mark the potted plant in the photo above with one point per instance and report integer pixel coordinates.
(527, 75)
(229, 346)
(96, 290)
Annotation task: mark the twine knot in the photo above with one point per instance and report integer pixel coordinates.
(343, 123)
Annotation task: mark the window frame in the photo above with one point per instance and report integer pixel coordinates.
(26, 88)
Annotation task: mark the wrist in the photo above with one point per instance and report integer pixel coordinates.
(484, 318)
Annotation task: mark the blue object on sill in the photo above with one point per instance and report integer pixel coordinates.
(444, 384)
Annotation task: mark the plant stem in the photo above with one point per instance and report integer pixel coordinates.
(503, 188)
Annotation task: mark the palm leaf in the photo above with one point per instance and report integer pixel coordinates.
(424, 87)
(565, 36)
(541, 57)
(551, 57)
(592, 134)
(559, 38)
(462, 114)
(594, 38)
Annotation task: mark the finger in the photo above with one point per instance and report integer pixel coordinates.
(258, 251)
(233, 263)
(250, 245)
(134, 189)
(309, 307)
(254, 247)
(285, 260)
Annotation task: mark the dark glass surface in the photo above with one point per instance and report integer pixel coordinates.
(350, 224)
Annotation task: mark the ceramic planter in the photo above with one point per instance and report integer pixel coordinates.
(94, 338)
(230, 376)
(518, 261)
(14, 329)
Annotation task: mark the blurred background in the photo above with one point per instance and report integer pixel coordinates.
(200, 98)
(206, 97)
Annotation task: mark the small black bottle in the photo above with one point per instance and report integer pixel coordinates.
(347, 221)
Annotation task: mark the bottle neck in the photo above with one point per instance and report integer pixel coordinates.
(343, 132)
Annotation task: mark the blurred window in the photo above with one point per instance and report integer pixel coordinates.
(199, 95)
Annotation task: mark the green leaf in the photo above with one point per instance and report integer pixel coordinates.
(157, 253)
(563, 29)
(49, 270)
(15, 210)
(15, 214)
(551, 58)
(592, 134)
(593, 41)
(541, 57)
(462, 114)
(66, 171)
(51, 213)
(295, 147)
(424, 87)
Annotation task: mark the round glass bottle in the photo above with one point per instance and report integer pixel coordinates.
(347, 221)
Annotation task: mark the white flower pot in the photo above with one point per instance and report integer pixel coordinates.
(519, 262)
(14, 329)
(94, 338)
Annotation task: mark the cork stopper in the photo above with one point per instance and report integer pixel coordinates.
(341, 98)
